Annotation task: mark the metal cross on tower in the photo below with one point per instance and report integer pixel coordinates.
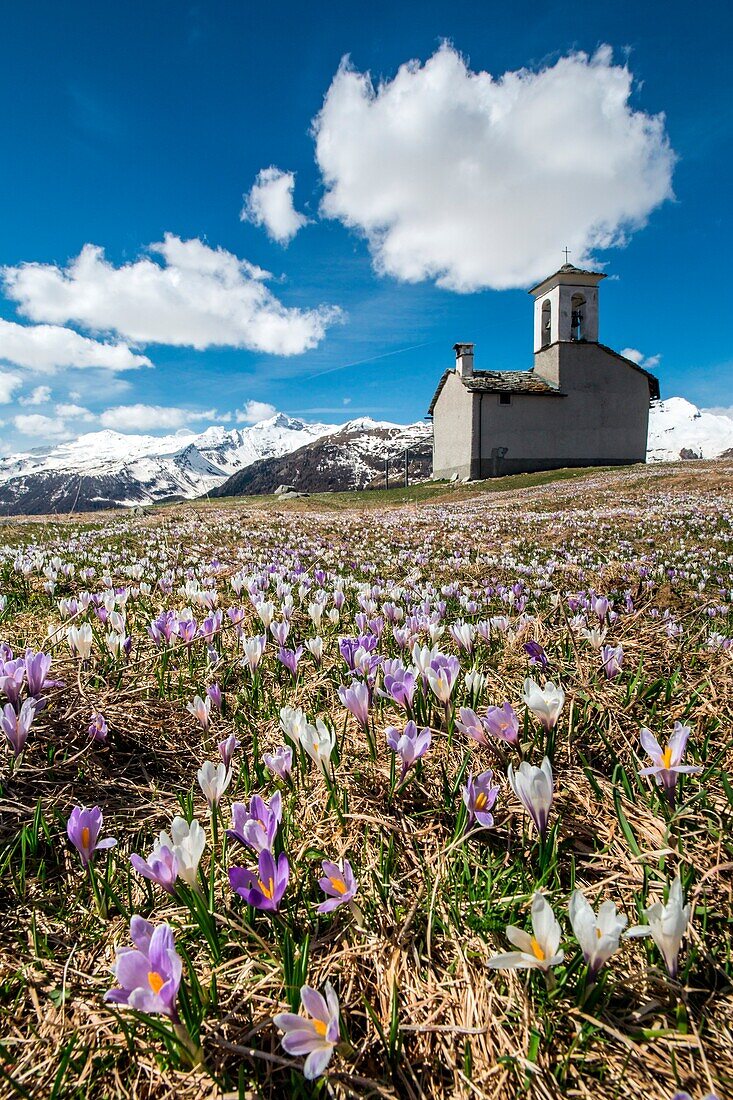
(566, 250)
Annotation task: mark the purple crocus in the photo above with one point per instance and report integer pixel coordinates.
(290, 658)
(150, 972)
(256, 825)
(536, 655)
(161, 866)
(214, 693)
(479, 797)
(502, 722)
(16, 727)
(399, 684)
(12, 678)
(314, 1035)
(667, 764)
(338, 883)
(356, 700)
(98, 728)
(83, 829)
(408, 744)
(472, 725)
(265, 889)
(612, 659)
(227, 749)
(36, 672)
(279, 762)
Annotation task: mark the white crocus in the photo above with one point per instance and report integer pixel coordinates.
(545, 703)
(293, 723)
(315, 646)
(213, 781)
(534, 788)
(475, 682)
(598, 936)
(319, 742)
(187, 842)
(666, 925)
(539, 951)
(80, 640)
(422, 657)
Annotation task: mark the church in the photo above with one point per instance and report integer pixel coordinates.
(581, 404)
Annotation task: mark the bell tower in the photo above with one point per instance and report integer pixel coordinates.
(566, 307)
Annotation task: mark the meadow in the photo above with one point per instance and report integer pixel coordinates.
(422, 795)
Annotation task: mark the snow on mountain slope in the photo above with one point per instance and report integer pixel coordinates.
(678, 429)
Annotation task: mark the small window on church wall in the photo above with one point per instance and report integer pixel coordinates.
(577, 319)
(546, 323)
(505, 399)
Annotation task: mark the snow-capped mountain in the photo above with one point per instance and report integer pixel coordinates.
(678, 429)
(106, 469)
(351, 456)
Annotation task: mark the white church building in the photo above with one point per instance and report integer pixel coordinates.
(581, 404)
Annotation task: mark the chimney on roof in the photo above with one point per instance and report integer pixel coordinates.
(464, 359)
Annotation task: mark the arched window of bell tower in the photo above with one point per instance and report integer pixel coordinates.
(546, 327)
(577, 317)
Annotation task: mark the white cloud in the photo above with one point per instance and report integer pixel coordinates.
(141, 418)
(48, 347)
(475, 182)
(254, 411)
(41, 395)
(270, 204)
(74, 412)
(648, 362)
(197, 297)
(44, 426)
(9, 383)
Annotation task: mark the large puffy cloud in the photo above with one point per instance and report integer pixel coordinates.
(475, 182)
(255, 411)
(270, 204)
(48, 347)
(44, 427)
(9, 383)
(197, 297)
(142, 418)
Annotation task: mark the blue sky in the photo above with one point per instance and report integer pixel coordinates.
(124, 123)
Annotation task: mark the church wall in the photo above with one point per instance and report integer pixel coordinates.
(453, 434)
(602, 420)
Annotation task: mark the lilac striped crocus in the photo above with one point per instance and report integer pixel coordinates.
(479, 797)
(97, 728)
(503, 723)
(357, 701)
(612, 659)
(256, 825)
(227, 749)
(149, 974)
(265, 889)
(279, 762)
(161, 866)
(290, 658)
(338, 883)
(315, 1035)
(16, 726)
(83, 829)
(408, 744)
(37, 666)
(667, 764)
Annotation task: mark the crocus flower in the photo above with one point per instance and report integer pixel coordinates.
(214, 780)
(227, 749)
(666, 925)
(319, 742)
(187, 842)
(479, 797)
(399, 684)
(81, 640)
(545, 703)
(253, 650)
(472, 725)
(161, 866)
(598, 936)
(293, 722)
(213, 692)
(150, 973)
(16, 727)
(256, 825)
(279, 762)
(12, 678)
(536, 654)
(36, 670)
(290, 658)
(538, 951)
(534, 788)
(356, 700)
(200, 709)
(338, 883)
(314, 1035)
(502, 722)
(612, 659)
(408, 744)
(667, 767)
(98, 728)
(265, 889)
(441, 676)
(83, 829)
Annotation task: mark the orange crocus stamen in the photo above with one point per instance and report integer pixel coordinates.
(537, 950)
(339, 885)
(481, 800)
(667, 758)
(320, 1028)
(155, 981)
(85, 837)
(268, 890)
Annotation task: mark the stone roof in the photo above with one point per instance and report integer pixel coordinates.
(500, 381)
